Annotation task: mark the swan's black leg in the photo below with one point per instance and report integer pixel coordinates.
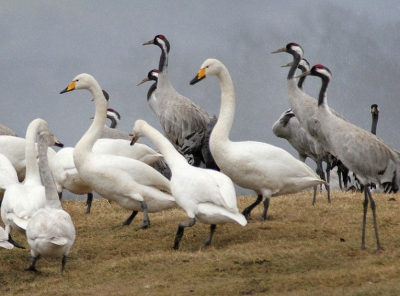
(248, 210)
(209, 238)
(63, 262)
(89, 202)
(146, 220)
(130, 218)
(266, 206)
(11, 241)
(181, 229)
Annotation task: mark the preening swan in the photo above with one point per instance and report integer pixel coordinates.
(206, 195)
(266, 169)
(184, 123)
(50, 231)
(132, 184)
(369, 157)
(21, 201)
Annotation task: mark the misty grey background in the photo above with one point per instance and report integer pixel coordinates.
(45, 44)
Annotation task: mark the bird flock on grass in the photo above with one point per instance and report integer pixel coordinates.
(194, 165)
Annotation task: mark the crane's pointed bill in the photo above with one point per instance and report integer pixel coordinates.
(303, 74)
(200, 75)
(283, 49)
(143, 81)
(70, 87)
(149, 42)
(287, 65)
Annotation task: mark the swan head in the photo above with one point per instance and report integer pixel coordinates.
(137, 130)
(50, 139)
(160, 41)
(209, 68)
(152, 75)
(82, 81)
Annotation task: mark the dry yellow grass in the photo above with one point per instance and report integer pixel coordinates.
(297, 251)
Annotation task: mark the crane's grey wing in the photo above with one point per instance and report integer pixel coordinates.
(5, 131)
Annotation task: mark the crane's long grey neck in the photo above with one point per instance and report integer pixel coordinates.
(152, 88)
(322, 100)
(114, 122)
(163, 78)
(301, 82)
(374, 123)
(47, 177)
(296, 62)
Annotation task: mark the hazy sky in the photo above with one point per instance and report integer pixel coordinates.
(45, 44)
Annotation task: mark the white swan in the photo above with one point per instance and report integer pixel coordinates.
(67, 177)
(21, 201)
(132, 184)
(205, 194)
(8, 175)
(14, 149)
(266, 169)
(50, 231)
(4, 243)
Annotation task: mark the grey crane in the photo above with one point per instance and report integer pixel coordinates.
(369, 157)
(184, 123)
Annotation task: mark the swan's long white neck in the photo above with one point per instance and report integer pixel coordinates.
(32, 169)
(52, 200)
(171, 155)
(227, 109)
(86, 143)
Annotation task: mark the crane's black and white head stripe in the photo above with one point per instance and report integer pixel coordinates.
(304, 65)
(114, 114)
(106, 95)
(321, 71)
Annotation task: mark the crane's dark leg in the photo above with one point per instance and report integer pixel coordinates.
(266, 206)
(320, 173)
(11, 241)
(181, 229)
(373, 208)
(365, 204)
(146, 220)
(209, 238)
(89, 202)
(63, 262)
(328, 178)
(32, 267)
(248, 210)
(130, 218)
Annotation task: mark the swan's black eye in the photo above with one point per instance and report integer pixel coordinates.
(77, 80)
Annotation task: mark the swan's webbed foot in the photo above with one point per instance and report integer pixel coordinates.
(130, 218)
(89, 202)
(11, 241)
(32, 266)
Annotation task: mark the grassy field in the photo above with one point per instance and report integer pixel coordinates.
(300, 250)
